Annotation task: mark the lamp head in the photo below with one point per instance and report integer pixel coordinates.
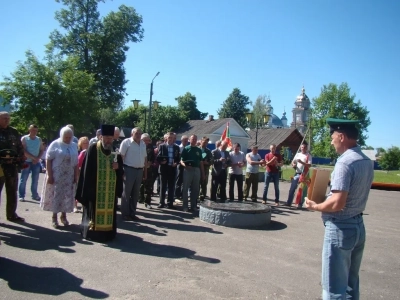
(135, 103)
(249, 116)
(155, 104)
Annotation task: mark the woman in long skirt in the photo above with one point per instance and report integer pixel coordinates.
(58, 194)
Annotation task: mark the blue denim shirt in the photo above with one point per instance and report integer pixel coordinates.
(353, 173)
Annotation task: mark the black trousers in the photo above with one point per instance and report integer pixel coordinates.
(167, 179)
(239, 182)
(10, 180)
(204, 183)
(221, 181)
(146, 188)
(155, 177)
(179, 182)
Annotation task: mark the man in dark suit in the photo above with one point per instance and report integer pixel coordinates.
(168, 156)
(179, 177)
(222, 161)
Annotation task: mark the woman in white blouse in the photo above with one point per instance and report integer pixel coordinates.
(58, 193)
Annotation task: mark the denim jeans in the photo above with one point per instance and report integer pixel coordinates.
(293, 187)
(341, 258)
(35, 169)
(268, 178)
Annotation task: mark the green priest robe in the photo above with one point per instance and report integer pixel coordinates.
(99, 187)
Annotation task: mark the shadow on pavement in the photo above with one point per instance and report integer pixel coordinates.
(32, 201)
(165, 214)
(137, 227)
(47, 281)
(149, 219)
(37, 238)
(275, 225)
(133, 244)
(284, 212)
(272, 226)
(173, 214)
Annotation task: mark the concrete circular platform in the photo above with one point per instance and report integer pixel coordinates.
(235, 214)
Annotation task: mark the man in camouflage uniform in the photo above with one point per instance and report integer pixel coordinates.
(10, 140)
(147, 185)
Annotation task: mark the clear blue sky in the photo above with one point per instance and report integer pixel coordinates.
(270, 47)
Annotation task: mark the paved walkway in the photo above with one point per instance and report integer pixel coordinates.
(171, 255)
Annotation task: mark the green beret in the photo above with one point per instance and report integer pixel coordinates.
(342, 125)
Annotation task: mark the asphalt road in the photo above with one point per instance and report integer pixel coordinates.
(171, 255)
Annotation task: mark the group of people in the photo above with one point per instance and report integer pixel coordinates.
(181, 171)
(97, 172)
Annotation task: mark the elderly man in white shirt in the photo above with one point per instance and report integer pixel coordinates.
(134, 156)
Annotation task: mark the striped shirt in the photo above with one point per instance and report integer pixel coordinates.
(171, 154)
(353, 173)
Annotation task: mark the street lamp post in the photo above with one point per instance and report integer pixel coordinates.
(136, 106)
(265, 119)
(151, 100)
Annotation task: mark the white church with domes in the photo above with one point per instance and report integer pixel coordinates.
(300, 112)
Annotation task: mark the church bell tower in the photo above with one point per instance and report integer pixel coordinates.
(301, 112)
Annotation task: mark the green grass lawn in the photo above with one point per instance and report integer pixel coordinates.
(387, 176)
(379, 176)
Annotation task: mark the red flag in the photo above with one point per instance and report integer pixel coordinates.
(223, 135)
(226, 136)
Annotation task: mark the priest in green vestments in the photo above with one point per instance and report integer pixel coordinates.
(99, 186)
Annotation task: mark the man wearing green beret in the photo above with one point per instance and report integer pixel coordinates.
(342, 213)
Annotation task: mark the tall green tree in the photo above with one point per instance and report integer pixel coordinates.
(380, 151)
(335, 102)
(166, 118)
(50, 94)
(188, 105)
(259, 109)
(129, 117)
(235, 106)
(107, 116)
(100, 44)
(390, 159)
